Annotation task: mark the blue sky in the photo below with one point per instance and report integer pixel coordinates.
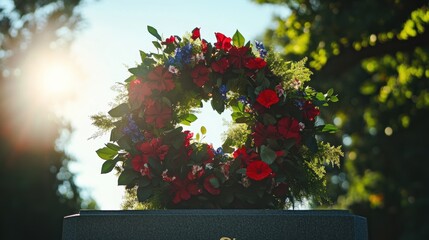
(108, 44)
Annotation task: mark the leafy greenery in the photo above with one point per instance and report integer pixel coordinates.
(376, 55)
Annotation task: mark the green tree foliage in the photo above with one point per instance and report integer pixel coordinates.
(37, 188)
(375, 54)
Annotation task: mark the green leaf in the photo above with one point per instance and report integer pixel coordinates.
(119, 110)
(137, 71)
(143, 193)
(329, 128)
(203, 130)
(226, 197)
(240, 106)
(269, 119)
(320, 96)
(143, 182)
(127, 176)
(217, 102)
(188, 119)
(108, 166)
(242, 120)
(156, 44)
(238, 39)
(143, 55)
(334, 99)
(330, 92)
(113, 146)
(267, 155)
(154, 32)
(106, 153)
(214, 182)
(197, 136)
(124, 143)
(155, 164)
(116, 134)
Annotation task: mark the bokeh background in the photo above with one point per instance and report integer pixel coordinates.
(60, 58)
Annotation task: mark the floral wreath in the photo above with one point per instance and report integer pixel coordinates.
(279, 159)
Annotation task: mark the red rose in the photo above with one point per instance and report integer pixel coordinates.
(209, 186)
(183, 189)
(255, 63)
(200, 75)
(289, 128)
(153, 149)
(160, 79)
(267, 98)
(223, 42)
(220, 66)
(188, 136)
(244, 156)
(196, 33)
(262, 133)
(138, 91)
(239, 152)
(157, 114)
(169, 40)
(310, 111)
(237, 56)
(140, 164)
(204, 45)
(258, 170)
(210, 154)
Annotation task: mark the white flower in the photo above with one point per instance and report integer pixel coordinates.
(245, 182)
(301, 126)
(173, 69)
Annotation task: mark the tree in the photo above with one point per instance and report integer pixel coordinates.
(37, 188)
(376, 55)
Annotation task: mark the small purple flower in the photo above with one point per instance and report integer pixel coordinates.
(133, 131)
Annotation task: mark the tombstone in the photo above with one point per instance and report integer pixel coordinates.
(215, 225)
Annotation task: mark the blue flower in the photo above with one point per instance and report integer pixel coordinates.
(219, 151)
(243, 99)
(223, 90)
(299, 104)
(261, 49)
(181, 57)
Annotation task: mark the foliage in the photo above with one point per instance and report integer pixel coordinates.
(376, 55)
(37, 187)
(166, 167)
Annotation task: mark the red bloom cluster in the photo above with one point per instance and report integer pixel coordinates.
(200, 75)
(152, 149)
(286, 127)
(310, 111)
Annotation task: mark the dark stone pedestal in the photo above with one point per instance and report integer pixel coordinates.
(215, 225)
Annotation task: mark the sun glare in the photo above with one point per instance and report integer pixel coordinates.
(51, 80)
(56, 80)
